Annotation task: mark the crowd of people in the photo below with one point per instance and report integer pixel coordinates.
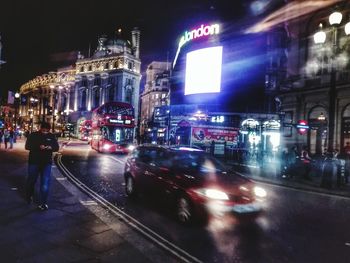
(8, 137)
(332, 166)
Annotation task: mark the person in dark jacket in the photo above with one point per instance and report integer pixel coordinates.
(41, 145)
(329, 169)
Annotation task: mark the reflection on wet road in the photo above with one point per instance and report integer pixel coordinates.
(296, 227)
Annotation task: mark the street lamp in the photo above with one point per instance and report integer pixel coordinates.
(52, 102)
(17, 95)
(319, 38)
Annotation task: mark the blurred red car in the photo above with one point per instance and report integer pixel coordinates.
(195, 183)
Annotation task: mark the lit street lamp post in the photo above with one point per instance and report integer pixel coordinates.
(32, 102)
(319, 38)
(52, 102)
(17, 96)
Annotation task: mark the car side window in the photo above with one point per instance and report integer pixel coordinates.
(163, 159)
(147, 155)
(187, 162)
(135, 153)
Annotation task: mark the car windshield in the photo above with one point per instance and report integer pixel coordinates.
(197, 162)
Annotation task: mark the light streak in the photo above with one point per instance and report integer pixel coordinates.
(288, 12)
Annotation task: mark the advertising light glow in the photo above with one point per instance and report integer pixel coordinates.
(196, 33)
(203, 71)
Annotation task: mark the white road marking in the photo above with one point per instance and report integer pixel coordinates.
(14, 188)
(347, 244)
(61, 178)
(89, 202)
(119, 161)
(156, 238)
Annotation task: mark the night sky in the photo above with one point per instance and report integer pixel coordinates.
(39, 36)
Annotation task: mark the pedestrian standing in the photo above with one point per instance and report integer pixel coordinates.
(329, 169)
(11, 138)
(284, 163)
(6, 137)
(41, 145)
(1, 137)
(306, 162)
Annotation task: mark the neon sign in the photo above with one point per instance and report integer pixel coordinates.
(213, 29)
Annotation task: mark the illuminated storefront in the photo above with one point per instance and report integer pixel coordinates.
(202, 95)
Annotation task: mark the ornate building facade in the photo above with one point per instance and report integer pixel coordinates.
(112, 73)
(315, 85)
(156, 92)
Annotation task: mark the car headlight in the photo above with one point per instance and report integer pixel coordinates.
(106, 146)
(131, 147)
(213, 194)
(259, 191)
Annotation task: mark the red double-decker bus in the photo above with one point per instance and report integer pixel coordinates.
(84, 130)
(113, 126)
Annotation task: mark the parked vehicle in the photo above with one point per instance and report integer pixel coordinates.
(196, 184)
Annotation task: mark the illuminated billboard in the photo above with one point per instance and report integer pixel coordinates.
(203, 71)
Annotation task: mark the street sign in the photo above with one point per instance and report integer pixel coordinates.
(302, 127)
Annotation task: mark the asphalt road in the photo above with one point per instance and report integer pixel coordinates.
(297, 226)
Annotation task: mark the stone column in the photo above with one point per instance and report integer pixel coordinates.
(68, 101)
(88, 98)
(76, 95)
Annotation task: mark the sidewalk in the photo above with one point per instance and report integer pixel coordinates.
(269, 174)
(68, 232)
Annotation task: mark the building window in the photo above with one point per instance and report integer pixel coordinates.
(90, 68)
(111, 94)
(82, 69)
(163, 95)
(97, 81)
(128, 95)
(129, 82)
(130, 65)
(96, 97)
(165, 83)
(157, 95)
(83, 99)
(106, 66)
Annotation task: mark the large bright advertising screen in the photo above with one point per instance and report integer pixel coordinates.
(203, 71)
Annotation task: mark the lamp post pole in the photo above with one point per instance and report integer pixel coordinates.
(52, 102)
(320, 37)
(17, 95)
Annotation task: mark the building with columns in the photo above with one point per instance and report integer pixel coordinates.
(112, 73)
(46, 98)
(156, 92)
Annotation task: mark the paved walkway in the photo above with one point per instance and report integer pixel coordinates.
(68, 232)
